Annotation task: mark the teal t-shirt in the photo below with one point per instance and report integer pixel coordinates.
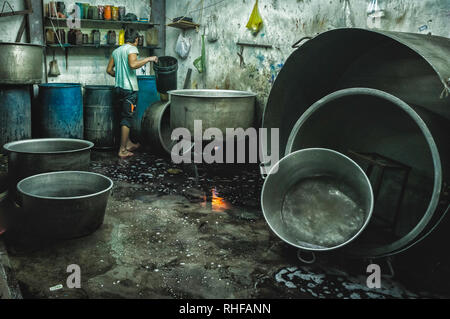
(125, 76)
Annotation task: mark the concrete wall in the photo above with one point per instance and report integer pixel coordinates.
(85, 65)
(285, 21)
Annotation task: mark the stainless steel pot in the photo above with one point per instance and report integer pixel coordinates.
(156, 130)
(63, 205)
(317, 199)
(21, 63)
(370, 121)
(413, 67)
(220, 109)
(31, 157)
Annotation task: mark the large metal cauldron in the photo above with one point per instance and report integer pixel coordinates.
(21, 63)
(156, 130)
(413, 67)
(220, 109)
(317, 199)
(371, 121)
(31, 157)
(63, 205)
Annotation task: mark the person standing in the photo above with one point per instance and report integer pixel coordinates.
(122, 66)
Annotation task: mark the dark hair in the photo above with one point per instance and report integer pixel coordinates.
(131, 35)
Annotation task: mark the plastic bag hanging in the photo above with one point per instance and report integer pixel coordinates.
(255, 22)
(183, 46)
(200, 62)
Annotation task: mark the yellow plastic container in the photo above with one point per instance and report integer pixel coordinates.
(122, 37)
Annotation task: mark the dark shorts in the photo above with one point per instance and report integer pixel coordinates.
(127, 102)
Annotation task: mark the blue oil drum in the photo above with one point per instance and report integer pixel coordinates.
(60, 110)
(15, 113)
(147, 96)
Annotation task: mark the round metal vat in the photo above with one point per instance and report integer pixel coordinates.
(147, 95)
(370, 122)
(220, 109)
(317, 199)
(15, 113)
(64, 205)
(100, 116)
(21, 63)
(156, 130)
(60, 111)
(31, 157)
(413, 67)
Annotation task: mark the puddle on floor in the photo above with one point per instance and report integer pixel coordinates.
(218, 186)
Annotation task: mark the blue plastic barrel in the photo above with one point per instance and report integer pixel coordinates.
(15, 113)
(60, 110)
(147, 96)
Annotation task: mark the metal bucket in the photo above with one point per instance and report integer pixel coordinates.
(21, 63)
(15, 113)
(220, 109)
(370, 121)
(60, 110)
(413, 67)
(63, 205)
(317, 199)
(100, 116)
(156, 130)
(31, 157)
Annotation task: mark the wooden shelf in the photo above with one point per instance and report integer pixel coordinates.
(100, 24)
(184, 25)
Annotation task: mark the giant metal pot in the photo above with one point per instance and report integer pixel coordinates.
(31, 157)
(220, 109)
(371, 121)
(63, 205)
(21, 63)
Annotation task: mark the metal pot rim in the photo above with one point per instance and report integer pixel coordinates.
(226, 93)
(406, 240)
(7, 147)
(368, 217)
(111, 184)
(20, 43)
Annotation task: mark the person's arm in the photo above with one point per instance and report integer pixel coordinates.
(136, 64)
(110, 68)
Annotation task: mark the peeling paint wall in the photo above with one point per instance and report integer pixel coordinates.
(85, 65)
(285, 22)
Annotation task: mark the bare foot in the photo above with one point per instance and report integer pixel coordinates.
(125, 154)
(132, 147)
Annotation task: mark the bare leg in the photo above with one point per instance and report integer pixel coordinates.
(124, 139)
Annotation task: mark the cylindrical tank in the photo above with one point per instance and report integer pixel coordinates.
(15, 113)
(60, 110)
(156, 128)
(147, 95)
(100, 116)
(369, 121)
(413, 67)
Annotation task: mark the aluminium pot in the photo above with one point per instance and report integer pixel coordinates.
(220, 109)
(36, 156)
(369, 121)
(21, 63)
(63, 205)
(317, 199)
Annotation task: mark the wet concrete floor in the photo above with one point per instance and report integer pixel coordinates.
(167, 235)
